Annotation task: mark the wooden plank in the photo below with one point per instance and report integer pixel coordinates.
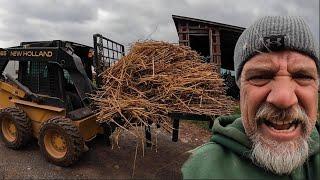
(210, 45)
(198, 34)
(189, 116)
(198, 31)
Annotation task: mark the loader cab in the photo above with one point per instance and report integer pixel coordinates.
(85, 53)
(62, 73)
(48, 68)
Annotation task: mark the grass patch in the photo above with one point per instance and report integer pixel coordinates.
(205, 124)
(237, 110)
(201, 124)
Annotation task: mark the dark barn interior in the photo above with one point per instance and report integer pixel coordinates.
(214, 41)
(228, 40)
(200, 44)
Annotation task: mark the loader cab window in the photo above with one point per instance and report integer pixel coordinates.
(12, 69)
(67, 77)
(40, 77)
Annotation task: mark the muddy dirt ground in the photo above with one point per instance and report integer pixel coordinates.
(103, 162)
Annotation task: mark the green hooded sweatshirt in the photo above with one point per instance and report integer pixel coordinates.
(227, 156)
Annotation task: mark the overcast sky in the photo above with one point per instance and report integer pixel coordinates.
(127, 21)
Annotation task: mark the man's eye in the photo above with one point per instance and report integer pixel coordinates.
(260, 80)
(302, 77)
(260, 77)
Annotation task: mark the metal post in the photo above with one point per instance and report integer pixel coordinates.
(148, 135)
(175, 132)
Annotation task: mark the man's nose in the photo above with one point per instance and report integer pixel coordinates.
(282, 94)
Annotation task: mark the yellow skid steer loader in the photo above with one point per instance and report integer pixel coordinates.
(45, 89)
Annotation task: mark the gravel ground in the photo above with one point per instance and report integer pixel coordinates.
(103, 162)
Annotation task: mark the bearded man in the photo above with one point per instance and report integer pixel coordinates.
(276, 61)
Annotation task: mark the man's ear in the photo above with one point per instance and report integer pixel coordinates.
(238, 82)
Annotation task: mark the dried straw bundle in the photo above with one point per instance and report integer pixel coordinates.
(156, 78)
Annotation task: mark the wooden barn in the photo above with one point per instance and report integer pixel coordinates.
(212, 40)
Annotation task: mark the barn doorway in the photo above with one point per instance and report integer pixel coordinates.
(200, 43)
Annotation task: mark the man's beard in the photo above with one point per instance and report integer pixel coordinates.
(280, 157)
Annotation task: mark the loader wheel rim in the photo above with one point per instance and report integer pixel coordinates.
(55, 144)
(9, 130)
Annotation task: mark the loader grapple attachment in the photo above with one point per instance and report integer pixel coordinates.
(107, 52)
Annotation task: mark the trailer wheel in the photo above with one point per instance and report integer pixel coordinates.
(16, 127)
(60, 141)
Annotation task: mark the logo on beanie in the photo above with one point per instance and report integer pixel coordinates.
(274, 42)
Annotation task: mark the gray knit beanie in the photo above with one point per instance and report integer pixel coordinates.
(274, 33)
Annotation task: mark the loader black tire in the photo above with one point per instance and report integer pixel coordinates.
(60, 141)
(16, 127)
